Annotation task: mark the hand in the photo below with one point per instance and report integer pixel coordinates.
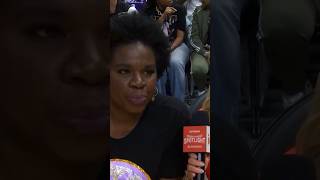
(207, 56)
(195, 166)
(172, 48)
(207, 47)
(169, 10)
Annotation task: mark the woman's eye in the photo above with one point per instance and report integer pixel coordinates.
(123, 71)
(149, 72)
(47, 31)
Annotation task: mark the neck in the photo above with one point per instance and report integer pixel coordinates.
(113, 5)
(122, 122)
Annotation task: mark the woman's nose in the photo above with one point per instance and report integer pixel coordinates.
(138, 81)
(85, 64)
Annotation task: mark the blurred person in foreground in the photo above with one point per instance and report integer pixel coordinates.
(118, 7)
(53, 95)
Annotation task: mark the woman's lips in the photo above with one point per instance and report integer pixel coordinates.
(137, 99)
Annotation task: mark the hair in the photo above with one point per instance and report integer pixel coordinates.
(131, 28)
(205, 4)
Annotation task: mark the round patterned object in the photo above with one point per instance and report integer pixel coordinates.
(121, 169)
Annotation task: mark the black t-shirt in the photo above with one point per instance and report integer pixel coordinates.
(155, 144)
(172, 23)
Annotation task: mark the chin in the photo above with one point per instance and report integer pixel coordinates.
(137, 109)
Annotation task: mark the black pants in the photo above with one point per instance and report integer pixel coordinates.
(288, 26)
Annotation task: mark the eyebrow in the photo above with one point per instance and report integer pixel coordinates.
(128, 66)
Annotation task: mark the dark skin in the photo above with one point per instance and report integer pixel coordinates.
(113, 5)
(132, 85)
(53, 104)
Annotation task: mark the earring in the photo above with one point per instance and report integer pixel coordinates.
(155, 94)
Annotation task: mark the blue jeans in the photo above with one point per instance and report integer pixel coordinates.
(175, 73)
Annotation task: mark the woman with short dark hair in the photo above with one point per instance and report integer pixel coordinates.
(145, 127)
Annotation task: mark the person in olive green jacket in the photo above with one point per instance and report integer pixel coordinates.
(199, 40)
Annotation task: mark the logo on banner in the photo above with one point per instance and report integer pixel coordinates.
(196, 139)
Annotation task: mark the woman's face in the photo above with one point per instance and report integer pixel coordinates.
(132, 77)
(53, 75)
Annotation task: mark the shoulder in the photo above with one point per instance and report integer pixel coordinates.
(200, 118)
(149, 9)
(172, 104)
(169, 114)
(201, 12)
(178, 7)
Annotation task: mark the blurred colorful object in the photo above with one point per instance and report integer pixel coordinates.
(121, 169)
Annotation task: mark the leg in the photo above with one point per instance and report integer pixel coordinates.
(200, 68)
(178, 60)
(161, 84)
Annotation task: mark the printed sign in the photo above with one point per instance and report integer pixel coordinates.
(196, 139)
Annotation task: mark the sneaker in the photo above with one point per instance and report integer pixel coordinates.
(200, 93)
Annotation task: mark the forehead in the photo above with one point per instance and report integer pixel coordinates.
(83, 8)
(133, 52)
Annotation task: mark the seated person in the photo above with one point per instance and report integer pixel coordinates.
(190, 6)
(199, 41)
(172, 18)
(119, 7)
(145, 127)
(138, 4)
